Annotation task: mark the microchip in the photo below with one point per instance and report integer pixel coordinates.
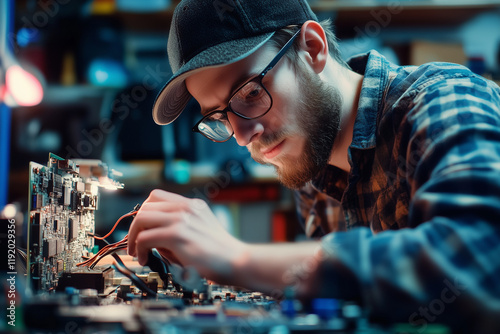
(86, 201)
(35, 235)
(49, 248)
(66, 199)
(86, 279)
(73, 229)
(59, 266)
(57, 185)
(36, 218)
(59, 246)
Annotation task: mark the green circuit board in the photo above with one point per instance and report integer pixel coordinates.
(63, 198)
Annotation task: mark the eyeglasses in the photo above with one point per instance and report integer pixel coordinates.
(252, 100)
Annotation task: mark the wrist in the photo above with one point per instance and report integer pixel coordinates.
(240, 264)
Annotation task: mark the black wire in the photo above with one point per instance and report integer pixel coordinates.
(160, 264)
(120, 266)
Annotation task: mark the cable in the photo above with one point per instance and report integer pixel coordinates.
(120, 266)
(132, 213)
(21, 253)
(158, 264)
(106, 250)
(109, 248)
(109, 252)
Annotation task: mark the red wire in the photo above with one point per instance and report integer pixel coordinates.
(116, 224)
(102, 251)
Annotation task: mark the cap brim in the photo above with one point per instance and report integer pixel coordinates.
(174, 96)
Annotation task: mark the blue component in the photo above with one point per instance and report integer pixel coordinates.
(326, 308)
(33, 202)
(108, 73)
(73, 295)
(288, 308)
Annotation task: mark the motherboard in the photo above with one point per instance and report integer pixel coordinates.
(63, 198)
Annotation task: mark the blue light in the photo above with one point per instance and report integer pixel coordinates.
(107, 73)
(5, 115)
(27, 36)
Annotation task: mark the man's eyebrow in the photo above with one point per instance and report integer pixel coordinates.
(238, 83)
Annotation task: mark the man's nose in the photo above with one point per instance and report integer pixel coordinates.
(245, 130)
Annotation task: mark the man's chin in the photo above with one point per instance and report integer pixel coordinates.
(292, 181)
(292, 177)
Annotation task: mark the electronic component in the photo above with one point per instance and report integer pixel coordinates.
(62, 202)
(83, 278)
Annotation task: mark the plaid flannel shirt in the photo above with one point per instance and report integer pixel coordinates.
(416, 221)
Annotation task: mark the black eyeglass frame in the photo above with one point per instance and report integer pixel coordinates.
(258, 77)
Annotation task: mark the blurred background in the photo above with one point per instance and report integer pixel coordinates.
(78, 78)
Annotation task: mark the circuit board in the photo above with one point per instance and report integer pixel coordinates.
(63, 198)
(159, 298)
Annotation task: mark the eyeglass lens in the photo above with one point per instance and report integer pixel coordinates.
(250, 101)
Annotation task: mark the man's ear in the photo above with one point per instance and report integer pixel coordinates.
(313, 42)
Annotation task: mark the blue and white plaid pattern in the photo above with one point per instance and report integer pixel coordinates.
(417, 219)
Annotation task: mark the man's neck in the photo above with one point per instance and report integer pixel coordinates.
(348, 83)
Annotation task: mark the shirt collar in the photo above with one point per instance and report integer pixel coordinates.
(375, 69)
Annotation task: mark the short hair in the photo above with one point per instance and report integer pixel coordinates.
(283, 35)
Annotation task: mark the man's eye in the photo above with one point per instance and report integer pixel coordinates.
(254, 93)
(250, 91)
(216, 116)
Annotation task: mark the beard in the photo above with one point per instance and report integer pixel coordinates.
(317, 119)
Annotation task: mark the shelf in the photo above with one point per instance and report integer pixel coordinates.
(361, 5)
(352, 16)
(60, 95)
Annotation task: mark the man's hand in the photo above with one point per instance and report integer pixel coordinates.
(185, 231)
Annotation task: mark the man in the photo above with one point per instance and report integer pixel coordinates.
(410, 152)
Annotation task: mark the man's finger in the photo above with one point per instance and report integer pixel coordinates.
(152, 238)
(163, 206)
(146, 220)
(159, 195)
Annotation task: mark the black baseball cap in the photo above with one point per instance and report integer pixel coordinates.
(210, 33)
